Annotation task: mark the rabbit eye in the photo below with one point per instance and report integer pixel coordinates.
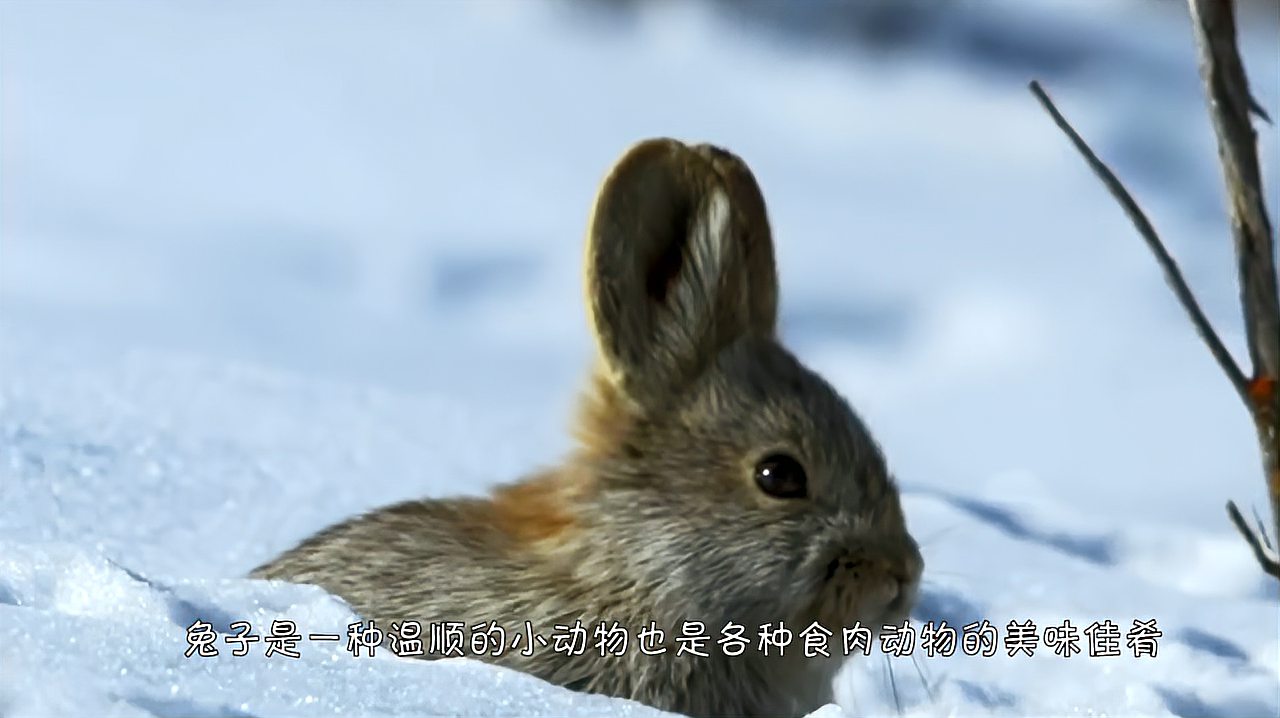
(782, 476)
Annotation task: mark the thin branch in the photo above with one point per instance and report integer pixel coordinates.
(1227, 91)
(1172, 274)
(1262, 528)
(1258, 110)
(1267, 558)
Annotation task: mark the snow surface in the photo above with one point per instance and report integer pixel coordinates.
(265, 266)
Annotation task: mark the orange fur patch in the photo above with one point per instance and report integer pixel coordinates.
(536, 509)
(602, 417)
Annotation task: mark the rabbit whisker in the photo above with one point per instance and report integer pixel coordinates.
(893, 684)
(923, 681)
(924, 542)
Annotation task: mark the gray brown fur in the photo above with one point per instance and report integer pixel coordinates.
(656, 516)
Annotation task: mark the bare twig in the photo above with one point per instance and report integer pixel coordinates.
(1226, 90)
(1172, 274)
(1262, 528)
(1258, 110)
(1266, 557)
(1230, 103)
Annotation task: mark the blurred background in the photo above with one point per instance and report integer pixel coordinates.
(393, 195)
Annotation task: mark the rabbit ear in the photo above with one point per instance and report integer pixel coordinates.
(679, 263)
(753, 235)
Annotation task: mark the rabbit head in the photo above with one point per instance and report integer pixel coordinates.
(727, 476)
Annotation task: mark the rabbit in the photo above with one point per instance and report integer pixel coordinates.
(716, 479)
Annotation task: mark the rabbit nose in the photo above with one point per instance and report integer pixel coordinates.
(902, 596)
(886, 579)
(865, 583)
(907, 579)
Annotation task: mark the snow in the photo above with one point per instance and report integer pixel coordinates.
(265, 266)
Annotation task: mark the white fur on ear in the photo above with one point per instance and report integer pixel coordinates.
(709, 234)
(706, 261)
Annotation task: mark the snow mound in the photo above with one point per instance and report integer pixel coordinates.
(82, 635)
